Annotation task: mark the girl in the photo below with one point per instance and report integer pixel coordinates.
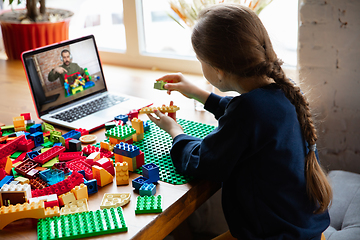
(263, 150)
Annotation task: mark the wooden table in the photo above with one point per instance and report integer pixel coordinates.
(178, 201)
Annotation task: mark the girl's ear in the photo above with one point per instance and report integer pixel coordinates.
(220, 73)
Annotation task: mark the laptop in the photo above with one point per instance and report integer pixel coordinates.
(68, 87)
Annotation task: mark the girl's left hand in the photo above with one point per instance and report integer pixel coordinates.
(166, 123)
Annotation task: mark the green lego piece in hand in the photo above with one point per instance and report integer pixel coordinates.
(159, 85)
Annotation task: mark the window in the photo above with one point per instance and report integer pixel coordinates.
(140, 33)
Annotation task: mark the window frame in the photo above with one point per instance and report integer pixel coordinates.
(135, 56)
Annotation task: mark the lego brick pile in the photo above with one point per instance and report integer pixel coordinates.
(44, 173)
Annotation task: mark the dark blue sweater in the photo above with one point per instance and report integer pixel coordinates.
(258, 153)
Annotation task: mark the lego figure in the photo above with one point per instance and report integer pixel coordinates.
(66, 68)
(263, 150)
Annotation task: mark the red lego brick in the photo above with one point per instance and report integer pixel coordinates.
(82, 131)
(80, 164)
(62, 187)
(140, 159)
(107, 164)
(26, 145)
(49, 154)
(26, 116)
(133, 114)
(10, 147)
(2, 173)
(67, 156)
(20, 158)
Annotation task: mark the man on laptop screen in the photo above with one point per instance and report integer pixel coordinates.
(68, 86)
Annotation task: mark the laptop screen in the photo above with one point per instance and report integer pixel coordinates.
(64, 73)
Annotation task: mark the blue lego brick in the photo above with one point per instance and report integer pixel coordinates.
(27, 135)
(82, 172)
(72, 134)
(127, 150)
(32, 154)
(146, 126)
(151, 172)
(52, 176)
(91, 186)
(38, 138)
(89, 84)
(57, 144)
(122, 117)
(138, 182)
(147, 189)
(6, 180)
(35, 128)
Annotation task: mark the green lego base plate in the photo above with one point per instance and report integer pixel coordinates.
(156, 146)
(148, 204)
(80, 225)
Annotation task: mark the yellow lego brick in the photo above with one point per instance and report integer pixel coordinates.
(18, 129)
(138, 137)
(122, 173)
(76, 206)
(80, 192)
(26, 210)
(114, 200)
(102, 176)
(22, 180)
(163, 109)
(52, 211)
(66, 198)
(138, 125)
(19, 122)
(131, 163)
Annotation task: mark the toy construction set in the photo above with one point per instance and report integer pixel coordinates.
(49, 176)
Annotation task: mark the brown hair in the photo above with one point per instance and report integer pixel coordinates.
(232, 38)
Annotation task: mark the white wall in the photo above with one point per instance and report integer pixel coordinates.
(329, 65)
(84, 54)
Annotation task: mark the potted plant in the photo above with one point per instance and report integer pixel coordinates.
(33, 27)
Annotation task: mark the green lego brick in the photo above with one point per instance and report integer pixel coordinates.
(159, 85)
(15, 155)
(120, 132)
(81, 225)
(15, 173)
(156, 146)
(51, 163)
(148, 204)
(47, 144)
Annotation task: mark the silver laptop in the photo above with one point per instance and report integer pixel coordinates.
(68, 86)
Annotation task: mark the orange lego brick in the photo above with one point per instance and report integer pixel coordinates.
(19, 122)
(105, 145)
(26, 210)
(102, 176)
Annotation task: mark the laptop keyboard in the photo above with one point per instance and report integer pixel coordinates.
(89, 108)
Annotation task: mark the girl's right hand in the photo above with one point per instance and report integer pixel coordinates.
(177, 82)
